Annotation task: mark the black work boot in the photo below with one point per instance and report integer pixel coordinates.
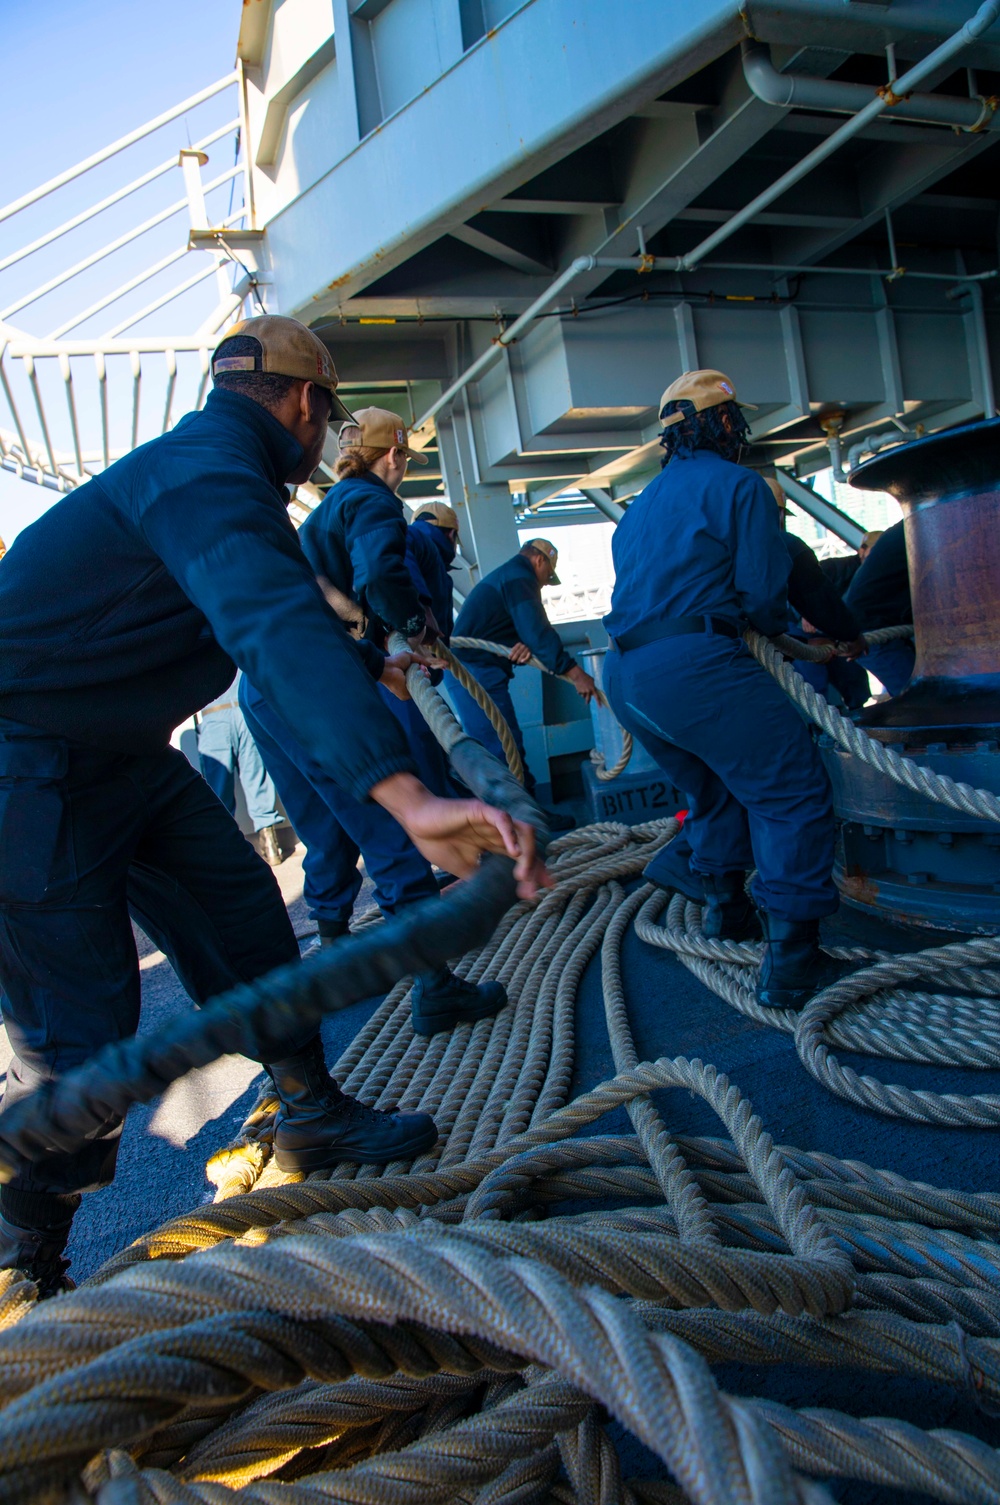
(793, 968)
(671, 869)
(318, 1125)
(440, 1000)
(729, 913)
(330, 931)
(39, 1254)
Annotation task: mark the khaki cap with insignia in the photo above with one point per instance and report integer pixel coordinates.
(286, 348)
(551, 553)
(377, 428)
(703, 389)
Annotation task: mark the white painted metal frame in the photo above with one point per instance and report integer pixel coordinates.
(33, 366)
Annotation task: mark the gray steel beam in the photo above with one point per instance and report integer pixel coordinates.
(604, 503)
(438, 174)
(795, 219)
(551, 206)
(888, 179)
(818, 507)
(680, 159)
(509, 255)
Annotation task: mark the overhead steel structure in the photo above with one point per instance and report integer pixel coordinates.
(573, 202)
(516, 223)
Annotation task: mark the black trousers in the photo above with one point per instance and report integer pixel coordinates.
(86, 838)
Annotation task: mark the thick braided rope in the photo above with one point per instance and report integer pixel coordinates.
(513, 1231)
(864, 1012)
(822, 653)
(387, 1279)
(934, 786)
(604, 773)
(654, 1384)
(485, 702)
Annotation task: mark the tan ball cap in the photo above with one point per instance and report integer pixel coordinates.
(377, 428)
(551, 553)
(286, 348)
(440, 514)
(775, 487)
(703, 389)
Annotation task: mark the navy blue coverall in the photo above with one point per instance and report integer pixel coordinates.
(704, 541)
(879, 596)
(505, 607)
(431, 554)
(122, 611)
(812, 595)
(356, 539)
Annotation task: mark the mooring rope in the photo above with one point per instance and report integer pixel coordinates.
(935, 786)
(425, 1332)
(604, 773)
(486, 703)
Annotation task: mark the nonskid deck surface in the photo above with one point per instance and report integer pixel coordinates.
(161, 1166)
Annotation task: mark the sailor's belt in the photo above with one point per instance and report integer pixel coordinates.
(673, 627)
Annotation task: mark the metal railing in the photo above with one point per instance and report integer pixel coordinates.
(77, 400)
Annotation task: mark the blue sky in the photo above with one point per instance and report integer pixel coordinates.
(77, 76)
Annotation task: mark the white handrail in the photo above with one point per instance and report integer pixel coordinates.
(114, 245)
(113, 198)
(61, 456)
(116, 146)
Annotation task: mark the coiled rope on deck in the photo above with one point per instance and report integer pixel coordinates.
(376, 1336)
(952, 1020)
(416, 1333)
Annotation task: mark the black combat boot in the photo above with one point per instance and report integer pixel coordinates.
(331, 930)
(793, 969)
(38, 1251)
(440, 1000)
(318, 1125)
(328, 932)
(729, 913)
(671, 869)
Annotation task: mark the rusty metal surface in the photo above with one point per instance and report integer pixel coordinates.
(948, 486)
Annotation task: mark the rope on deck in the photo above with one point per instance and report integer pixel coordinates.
(418, 1334)
(424, 1332)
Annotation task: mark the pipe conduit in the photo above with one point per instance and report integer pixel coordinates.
(875, 101)
(795, 90)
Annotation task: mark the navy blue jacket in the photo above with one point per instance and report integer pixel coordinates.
(812, 595)
(879, 595)
(841, 570)
(430, 554)
(127, 606)
(703, 539)
(506, 607)
(356, 537)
